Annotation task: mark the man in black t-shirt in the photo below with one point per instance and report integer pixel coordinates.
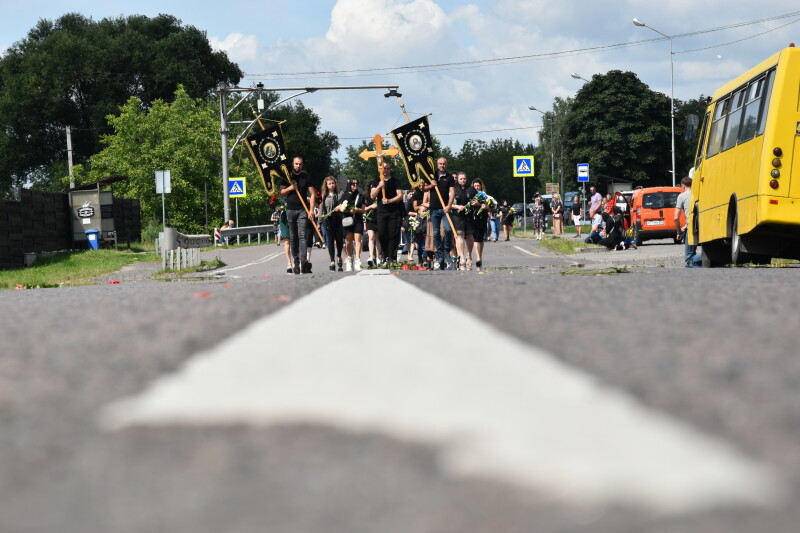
(297, 216)
(439, 206)
(388, 214)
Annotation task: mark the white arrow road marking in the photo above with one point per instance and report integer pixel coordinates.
(495, 406)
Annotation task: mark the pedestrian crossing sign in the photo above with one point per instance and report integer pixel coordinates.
(237, 187)
(523, 166)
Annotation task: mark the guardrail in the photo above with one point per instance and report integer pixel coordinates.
(266, 229)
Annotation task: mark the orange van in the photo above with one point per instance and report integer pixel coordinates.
(652, 213)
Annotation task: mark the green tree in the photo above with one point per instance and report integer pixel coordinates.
(621, 128)
(75, 71)
(493, 162)
(686, 133)
(182, 136)
(551, 158)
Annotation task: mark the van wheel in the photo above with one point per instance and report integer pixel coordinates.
(637, 234)
(738, 255)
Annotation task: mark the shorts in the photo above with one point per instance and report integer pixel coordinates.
(576, 219)
(460, 223)
(357, 227)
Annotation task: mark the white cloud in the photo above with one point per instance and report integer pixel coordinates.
(392, 33)
(240, 48)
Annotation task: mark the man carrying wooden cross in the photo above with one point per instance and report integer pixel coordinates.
(388, 214)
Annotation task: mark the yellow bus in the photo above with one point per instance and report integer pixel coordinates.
(746, 204)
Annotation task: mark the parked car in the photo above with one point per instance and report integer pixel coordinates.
(652, 212)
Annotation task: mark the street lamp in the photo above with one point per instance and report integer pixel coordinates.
(224, 112)
(552, 147)
(579, 77)
(638, 22)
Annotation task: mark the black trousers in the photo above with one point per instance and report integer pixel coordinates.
(334, 236)
(388, 222)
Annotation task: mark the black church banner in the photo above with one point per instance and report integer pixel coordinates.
(269, 153)
(416, 146)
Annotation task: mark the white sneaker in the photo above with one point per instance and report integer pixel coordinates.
(357, 264)
(348, 265)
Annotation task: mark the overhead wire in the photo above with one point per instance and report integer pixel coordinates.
(376, 71)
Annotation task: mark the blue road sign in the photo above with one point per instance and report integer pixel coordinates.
(237, 188)
(583, 172)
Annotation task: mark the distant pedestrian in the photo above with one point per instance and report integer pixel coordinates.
(576, 216)
(596, 201)
(557, 206)
(537, 212)
(691, 259)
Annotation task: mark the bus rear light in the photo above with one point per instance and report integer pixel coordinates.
(775, 173)
(776, 162)
(774, 185)
(773, 202)
(778, 152)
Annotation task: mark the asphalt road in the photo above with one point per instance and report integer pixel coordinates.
(599, 392)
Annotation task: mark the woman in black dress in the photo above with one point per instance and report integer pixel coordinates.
(477, 225)
(507, 217)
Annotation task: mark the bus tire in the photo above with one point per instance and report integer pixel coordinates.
(713, 254)
(738, 255)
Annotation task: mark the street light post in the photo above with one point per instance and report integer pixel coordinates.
(638, 22)
(579, 77)
(224, 112)
(552, 147)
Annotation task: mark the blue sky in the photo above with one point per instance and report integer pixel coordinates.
(267, 38)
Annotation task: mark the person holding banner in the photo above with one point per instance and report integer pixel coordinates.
(388, 215)
(296, 215)
(446, 185)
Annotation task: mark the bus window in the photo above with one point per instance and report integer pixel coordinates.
(762, 120)
(715, 136)
(702, 140)
(734, 120)
(751, 110)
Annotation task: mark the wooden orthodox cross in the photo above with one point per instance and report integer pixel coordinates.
(379, 154)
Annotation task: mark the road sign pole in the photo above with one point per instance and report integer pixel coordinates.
(524, 209)
(237, 212)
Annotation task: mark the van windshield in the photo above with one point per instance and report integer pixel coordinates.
(660, 200)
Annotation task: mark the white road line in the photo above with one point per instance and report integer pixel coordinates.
(494, 405)
(263, 260)
(525, 251)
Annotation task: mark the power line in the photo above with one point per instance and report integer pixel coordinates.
(509, 60)
(367, 137)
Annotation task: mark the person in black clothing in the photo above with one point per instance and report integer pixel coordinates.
(387, 211)
(476, 226)
(371, 223)
(461, 198)
(576, 216)
(507, 217)
(330, 215)
(297, 217)
(354, 232)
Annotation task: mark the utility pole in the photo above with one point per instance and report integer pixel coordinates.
(69, 157)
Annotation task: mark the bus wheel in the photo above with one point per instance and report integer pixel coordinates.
(738, 255)
(714, 254)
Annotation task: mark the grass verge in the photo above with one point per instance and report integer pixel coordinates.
(70, 268)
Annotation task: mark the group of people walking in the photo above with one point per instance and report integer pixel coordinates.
(444, 221)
